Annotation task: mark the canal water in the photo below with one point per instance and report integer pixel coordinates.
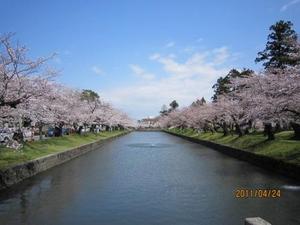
(149, 178)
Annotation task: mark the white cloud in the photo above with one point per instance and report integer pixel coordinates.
(198, 64)
(97, 70)
(289, 4)
(138, 71)
(221, 55)
(170, 44)
(185, 81)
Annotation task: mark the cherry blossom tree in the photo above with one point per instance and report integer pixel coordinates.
(20, 77)
(21, 80)
(273, 97)
(28, 92)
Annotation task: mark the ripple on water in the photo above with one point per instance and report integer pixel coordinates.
(149, 145)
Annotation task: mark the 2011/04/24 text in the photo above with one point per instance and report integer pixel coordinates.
(258, 193)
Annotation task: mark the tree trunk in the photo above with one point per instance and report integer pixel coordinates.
(215, 128)
(58, 130)
(278, 127)
(18, 136)
(225, 129)
(296, 128)
(41, 131)
(80, 129)
(239, 130)
(61, 129)
(75, 126)
(269, 131)
(85, 129)
(248, 125)
(231, 129)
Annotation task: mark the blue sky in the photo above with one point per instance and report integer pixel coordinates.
(141, 54)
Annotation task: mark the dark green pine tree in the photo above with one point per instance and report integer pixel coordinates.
(173, 105)
(222, 85)
(280, 48)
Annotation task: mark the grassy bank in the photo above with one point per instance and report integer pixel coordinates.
(282, 148)
(33, 150)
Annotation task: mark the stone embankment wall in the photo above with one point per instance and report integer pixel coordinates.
(17, 173)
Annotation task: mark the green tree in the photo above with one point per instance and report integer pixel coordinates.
(164, 110)
(281, 47)
(198, 102)
(173, 105)
(93, 102)
(222, 85)
(92, 98)
(89, 95)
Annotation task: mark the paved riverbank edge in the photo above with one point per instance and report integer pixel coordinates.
(274, 165)
(15, 174)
